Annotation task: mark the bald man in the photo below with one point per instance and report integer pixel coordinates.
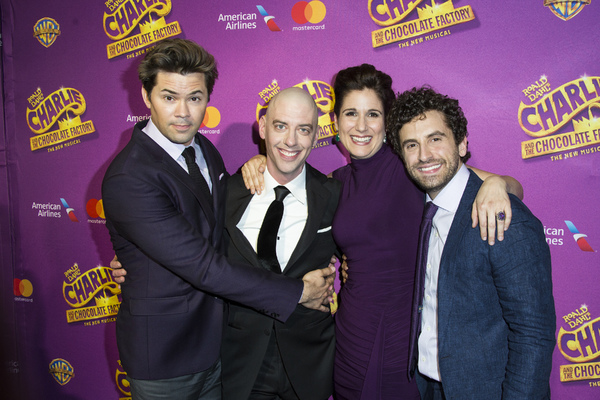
(263, 358)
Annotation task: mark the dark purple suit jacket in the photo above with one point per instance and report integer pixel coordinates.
(169, 237)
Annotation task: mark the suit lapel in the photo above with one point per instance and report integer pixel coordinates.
(172, 168)
(317, 197)
(213, 171)
(454, 246)
(238, 199)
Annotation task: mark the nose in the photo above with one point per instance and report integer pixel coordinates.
(290, 139)
(424, 153)
(182, 110)
(361, 124)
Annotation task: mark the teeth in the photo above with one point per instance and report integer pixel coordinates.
(427, 169)
(363, 139)
(288, 153)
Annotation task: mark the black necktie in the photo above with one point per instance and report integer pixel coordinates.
(419, 288)
(190, 159)
(267, 238)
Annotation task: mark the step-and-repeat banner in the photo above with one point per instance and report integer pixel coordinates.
(527, 74)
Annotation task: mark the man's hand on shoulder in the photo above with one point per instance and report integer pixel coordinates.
(318, 289)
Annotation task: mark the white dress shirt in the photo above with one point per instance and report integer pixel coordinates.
(447, 201)
(175, 150)
(295, 213)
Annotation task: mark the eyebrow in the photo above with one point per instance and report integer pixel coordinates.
(429, 135)
(354, 109)
(199, 91)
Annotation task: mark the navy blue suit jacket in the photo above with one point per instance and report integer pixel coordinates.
(169, 237)
(496, 318)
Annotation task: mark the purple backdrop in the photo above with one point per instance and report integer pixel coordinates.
(527, 79)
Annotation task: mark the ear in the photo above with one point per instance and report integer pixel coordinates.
(335, 122)
(262, 124)
(146, 97)
(462, 147)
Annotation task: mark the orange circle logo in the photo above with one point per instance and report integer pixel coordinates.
(22, 287)
(212, 118)
(304, 11)
(95, 209)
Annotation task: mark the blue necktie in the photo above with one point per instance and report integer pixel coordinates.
(419, 288)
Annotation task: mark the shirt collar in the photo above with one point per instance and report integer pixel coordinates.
(449, 197)
(173, 149)
(296, 186)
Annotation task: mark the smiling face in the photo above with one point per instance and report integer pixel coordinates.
(177, 105)
(361, 123)
(289, 129)
(429, 151)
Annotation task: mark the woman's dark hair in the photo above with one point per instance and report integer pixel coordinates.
(361, 77)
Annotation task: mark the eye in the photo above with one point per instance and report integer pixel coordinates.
(195, 99)
(169, 98)
(305, 131)
(350, 114)
(374, 114)
(279, 127)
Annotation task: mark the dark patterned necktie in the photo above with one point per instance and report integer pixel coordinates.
(267, 238)
(190, 159)
(419, 288)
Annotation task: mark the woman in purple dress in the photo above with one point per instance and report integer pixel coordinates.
(377, 227)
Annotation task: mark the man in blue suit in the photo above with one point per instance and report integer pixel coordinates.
(164, 198)
(487, 318)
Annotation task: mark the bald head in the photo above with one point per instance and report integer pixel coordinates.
(289, 129)
(296, 96)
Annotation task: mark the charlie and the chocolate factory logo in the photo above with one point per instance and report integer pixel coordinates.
(124, 16)
(564, 121)
(432, 22)
(92, 295)
(62, 107)
(580, 344)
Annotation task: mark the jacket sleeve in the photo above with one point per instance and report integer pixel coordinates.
(144, 212)
(522, 274)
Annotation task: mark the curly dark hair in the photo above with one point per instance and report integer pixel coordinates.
(180, 56)
(361, 77)
(414, 103)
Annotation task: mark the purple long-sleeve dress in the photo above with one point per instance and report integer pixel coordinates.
(377, 226)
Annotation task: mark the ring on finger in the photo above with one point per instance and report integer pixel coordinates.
(500, 216)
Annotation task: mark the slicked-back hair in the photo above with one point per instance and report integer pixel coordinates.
(416, 102)
(179, 56)
(362, 77)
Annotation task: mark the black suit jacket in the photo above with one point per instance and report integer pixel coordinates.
(306, 340)
(169, 237)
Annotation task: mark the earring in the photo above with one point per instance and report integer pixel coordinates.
(384, 139)
(337, 137)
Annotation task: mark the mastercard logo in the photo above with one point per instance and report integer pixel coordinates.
(308, 11)
(95, 209)
(22, 287)
(212, 118)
